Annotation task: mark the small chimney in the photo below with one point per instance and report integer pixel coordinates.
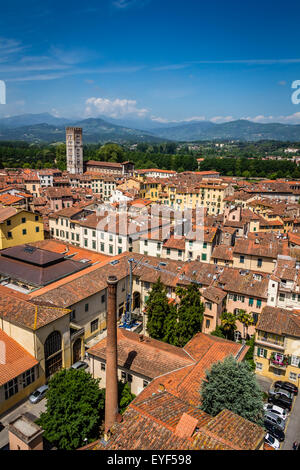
(111, 393)
(24, 434)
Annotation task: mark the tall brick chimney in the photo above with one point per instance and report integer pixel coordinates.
(111, 393)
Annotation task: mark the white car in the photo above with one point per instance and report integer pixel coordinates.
(79, 365)
(271, 441)
(281, 412)
(38, 394)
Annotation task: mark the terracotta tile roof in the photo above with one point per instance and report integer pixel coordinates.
(154, 423)
(214, 294)
(56, 193)
(149, 357)
(235, 431)
(157, 170)
(104, 164)
(286, 269)
(294, 238)
(39, 201)
(186, 426)
(10, 199)
(244, 282)
(7, 212)
(15, 309)
(15, 360)
(279, 321)
(68, 211)
(204, 350)
(223, 252)
(188, 389)
(208, 233)
(175, 243)
(79, 286)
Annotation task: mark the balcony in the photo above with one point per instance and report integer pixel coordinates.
(279, 360)
(271, 342)
(75, 331)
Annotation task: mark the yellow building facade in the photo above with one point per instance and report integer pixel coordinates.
(277, 350)
(19, 226)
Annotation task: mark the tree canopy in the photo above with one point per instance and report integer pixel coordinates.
(232, 385)
(190, 313)
(158, 311)
(74, 409)
(228, 324)
(174, 324)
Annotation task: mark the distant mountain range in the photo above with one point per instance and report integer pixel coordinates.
(235, 130)
(47, 128)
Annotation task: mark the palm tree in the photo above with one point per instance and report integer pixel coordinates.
(228, 324)
(246, 319)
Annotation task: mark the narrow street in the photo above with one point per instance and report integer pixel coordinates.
(292, 430)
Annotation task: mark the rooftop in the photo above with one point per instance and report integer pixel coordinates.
(14, 359)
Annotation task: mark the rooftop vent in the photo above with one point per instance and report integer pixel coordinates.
(29, 249)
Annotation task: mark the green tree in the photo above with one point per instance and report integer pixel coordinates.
(60, 156)
(111, 153)
(228, 324)
(250, 353)
(218, 332)
(74, 409)
(246, 319)
(158, 311)
(125, 396)
(190, 313)
(232, 385)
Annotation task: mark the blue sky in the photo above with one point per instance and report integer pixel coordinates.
(158, 60)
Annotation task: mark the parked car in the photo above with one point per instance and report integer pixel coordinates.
(38, 394)
(282, 391)
(281, 412)
(281, 400)
(286, 386)
(274, 431)
(79, 365)
(275, 420)
(272, 441)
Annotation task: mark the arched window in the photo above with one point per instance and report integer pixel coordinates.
(53, 353)
(52, 344)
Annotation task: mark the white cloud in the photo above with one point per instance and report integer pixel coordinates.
(123, 4)
(9, 46)
(113, 108)
(166, 121)
(219, 119)
(290, 119)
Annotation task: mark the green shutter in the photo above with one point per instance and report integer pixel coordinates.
(265, 353)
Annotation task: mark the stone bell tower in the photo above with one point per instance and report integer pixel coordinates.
(74, 150)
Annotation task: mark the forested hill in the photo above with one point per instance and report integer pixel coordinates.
(164, 156)
(243, 130)
(44, 127)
